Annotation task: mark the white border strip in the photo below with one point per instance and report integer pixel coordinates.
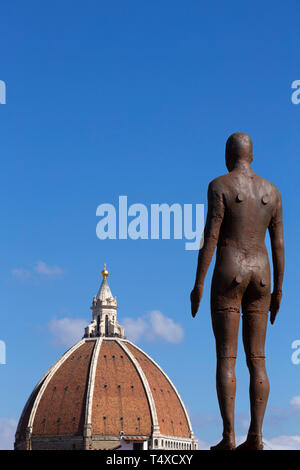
(145, 383)
(170, 382)
(91, 384)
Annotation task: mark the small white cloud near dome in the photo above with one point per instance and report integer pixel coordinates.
(66, 331)
(153, 326)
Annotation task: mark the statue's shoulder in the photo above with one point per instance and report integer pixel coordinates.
(268, 186)
(218, 184)
(269, 190)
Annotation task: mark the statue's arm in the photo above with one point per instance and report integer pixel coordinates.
(215, 214)
(277, 244)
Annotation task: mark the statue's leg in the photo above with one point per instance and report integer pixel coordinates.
(254, 333)
(255, 319)
(226, 327)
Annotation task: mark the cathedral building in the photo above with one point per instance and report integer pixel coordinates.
(105, 393)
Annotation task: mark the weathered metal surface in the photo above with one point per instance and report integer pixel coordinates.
(241, 207)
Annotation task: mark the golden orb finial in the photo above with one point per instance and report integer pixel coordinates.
(104, 273)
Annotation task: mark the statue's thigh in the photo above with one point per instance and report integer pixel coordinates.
(254, 334)
(226, 330)
(255, 307)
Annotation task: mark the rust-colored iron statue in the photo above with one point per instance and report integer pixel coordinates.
(241, 207)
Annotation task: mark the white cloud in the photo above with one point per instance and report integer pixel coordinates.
(39, 271)
(295, 401)
(66, 331)
(165, 327)
(153, 326)
(283, 443)
(203, 445)
(49, 271)
(21, 273)
(277, 443)
(135, 329)
(7, 433)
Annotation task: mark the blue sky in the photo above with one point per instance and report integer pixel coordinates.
(138, 98)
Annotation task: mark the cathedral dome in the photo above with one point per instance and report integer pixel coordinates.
(105, 393)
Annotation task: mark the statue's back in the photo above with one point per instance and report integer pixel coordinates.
(250, 202)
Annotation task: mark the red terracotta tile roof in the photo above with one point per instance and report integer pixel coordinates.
(62, 406)
(171, 416)
(120, 401)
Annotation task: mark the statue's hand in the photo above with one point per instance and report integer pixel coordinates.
(196, 296)
(275, 305)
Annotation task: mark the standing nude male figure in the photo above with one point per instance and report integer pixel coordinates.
(241, 207)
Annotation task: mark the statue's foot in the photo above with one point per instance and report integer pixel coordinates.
(253, 442)
(227, 443)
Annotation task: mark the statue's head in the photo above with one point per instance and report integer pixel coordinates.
(238, 148)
